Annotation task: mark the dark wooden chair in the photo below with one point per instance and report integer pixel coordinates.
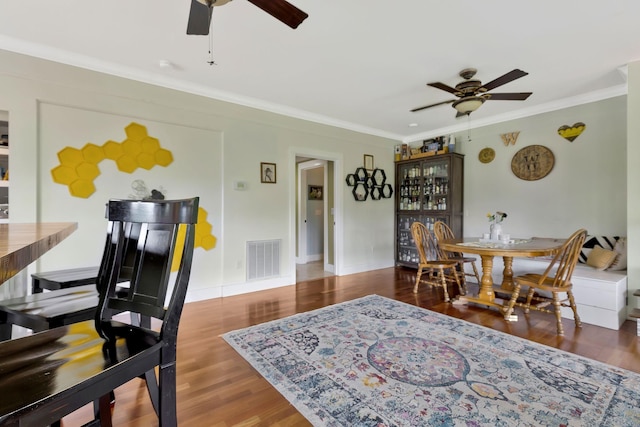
(439, 270)
(545, 289)
(47, 375)
(74, 297)
(442, 232)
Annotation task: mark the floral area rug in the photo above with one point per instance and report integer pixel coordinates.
(374, 361)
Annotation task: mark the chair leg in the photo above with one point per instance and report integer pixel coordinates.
(5, 331)
(167, 383)
(572, 303)
(462, 284)
(475, 272)
(512, 302)
(418, 274)
(154, 391)
(443, 282)
(529, 298)
(103, 405)
(557, 305)
(104, 410)
(460, 279)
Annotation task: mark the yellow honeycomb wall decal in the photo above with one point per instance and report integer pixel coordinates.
(203, 239)
(79, 168)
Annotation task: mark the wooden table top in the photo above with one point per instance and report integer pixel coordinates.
(21, 244)
(520, 247)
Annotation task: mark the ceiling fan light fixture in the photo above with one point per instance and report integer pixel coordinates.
(210, 3)
(468, 104)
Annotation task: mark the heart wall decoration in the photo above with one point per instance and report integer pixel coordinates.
(571, 132)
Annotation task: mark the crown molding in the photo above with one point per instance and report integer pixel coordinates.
(85, 62)
(559, 104)
(105, 67)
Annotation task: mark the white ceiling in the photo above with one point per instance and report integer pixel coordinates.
(357, 64)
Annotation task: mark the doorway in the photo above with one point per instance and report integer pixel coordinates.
(315, 219)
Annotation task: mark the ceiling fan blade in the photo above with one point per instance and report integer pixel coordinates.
(199, 19)
(282, 10)
(509, 77)
(459, 114)
(432, 105)
(515, 96)
(444, 87)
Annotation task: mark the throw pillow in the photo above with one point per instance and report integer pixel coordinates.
(605, 242)
(601, 258)
(620, 263)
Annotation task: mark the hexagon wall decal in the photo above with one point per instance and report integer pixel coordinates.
(203, 238)
(78, 168)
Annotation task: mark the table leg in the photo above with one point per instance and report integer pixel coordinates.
(486, 283)
(507, 274)
(485, 293)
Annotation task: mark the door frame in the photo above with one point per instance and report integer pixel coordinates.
(336, 215)
(303, 167)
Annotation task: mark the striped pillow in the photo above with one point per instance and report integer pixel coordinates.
(605, 242)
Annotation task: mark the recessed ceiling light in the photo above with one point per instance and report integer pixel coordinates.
(412, 125)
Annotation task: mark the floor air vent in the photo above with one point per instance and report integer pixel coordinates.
(263, 259)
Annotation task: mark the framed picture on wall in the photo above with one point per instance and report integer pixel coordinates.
(315, 192)
(267, 173)
(368, 162)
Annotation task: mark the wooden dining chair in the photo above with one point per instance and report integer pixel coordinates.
(555, 280)
(50, 374)
(439, 270)
(443, 232)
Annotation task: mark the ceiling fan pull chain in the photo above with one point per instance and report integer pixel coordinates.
(468, 128)
(211, 60)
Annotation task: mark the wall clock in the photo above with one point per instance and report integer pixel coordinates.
(486, 155)
(532, 163)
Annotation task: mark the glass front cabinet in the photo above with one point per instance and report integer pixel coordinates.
(427, 190)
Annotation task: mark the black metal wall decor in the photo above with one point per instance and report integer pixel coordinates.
(365, 184)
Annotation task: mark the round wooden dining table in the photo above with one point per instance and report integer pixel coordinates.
(490, 249)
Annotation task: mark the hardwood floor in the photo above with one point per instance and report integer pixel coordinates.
(311, 270)
(217, 388)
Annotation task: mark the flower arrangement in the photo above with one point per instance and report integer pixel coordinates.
(497, 217)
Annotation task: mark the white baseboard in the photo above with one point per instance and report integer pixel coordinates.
(361, 268)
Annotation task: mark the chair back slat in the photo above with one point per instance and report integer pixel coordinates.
(443, 232)
(149, 273)
(143, 238)
(425, 242)
(561, 268)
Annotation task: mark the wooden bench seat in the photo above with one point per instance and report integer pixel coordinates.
(63, 279)
(48, 310)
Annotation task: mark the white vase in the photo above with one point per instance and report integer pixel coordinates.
(496, 231)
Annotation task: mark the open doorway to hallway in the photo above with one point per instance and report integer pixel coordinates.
(315, 237)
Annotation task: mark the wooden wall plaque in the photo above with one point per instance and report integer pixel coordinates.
(532, 162)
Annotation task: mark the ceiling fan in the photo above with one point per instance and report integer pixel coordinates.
(201, 11)
(472, 93)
